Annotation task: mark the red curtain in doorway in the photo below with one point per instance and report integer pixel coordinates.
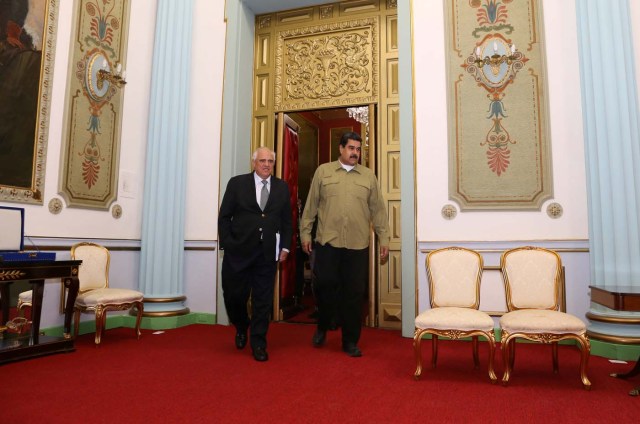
(290, 175)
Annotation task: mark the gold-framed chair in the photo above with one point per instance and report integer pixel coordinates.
(532, 280)
(95, 295)
(454, 275)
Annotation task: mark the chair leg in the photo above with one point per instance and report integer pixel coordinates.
(100, 323)
(512, 353)
(507, 345)
(417, 338)
(554, 356)
(434, 350)
(140, 308)
(492, 352)
(474, 347)
(585, 350)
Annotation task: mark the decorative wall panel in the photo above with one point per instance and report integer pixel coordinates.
(499, 146)
(327, 65)
(91, 139)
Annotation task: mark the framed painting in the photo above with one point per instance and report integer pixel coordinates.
(27, 51)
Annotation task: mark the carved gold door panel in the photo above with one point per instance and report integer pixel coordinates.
(339, 55)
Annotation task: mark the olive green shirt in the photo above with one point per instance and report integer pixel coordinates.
(346, 204)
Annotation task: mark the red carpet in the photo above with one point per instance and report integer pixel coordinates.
(195, 375)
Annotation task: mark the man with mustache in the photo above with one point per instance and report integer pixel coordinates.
(346, 199)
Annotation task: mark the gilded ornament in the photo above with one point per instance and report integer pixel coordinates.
(449, 212)
(554, 210)
(55, 206)
(116, 211)
(265, 21)
(11, 274)
(327, 65)
(326, 12)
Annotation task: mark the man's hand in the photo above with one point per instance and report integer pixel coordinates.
(384, 252)
(283, 256)
(306, 247)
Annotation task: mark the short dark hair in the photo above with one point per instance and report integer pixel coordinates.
(349, 136)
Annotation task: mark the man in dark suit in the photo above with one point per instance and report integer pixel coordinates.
(255, 233)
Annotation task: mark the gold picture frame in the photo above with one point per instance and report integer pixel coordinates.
(27, 52)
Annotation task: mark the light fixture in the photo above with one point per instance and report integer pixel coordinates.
(495, 60)
(360, 114)
(116, 78)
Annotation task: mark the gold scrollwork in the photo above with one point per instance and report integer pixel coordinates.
(327, 65)
(11, 274)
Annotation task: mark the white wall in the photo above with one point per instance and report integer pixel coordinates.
(565, 128)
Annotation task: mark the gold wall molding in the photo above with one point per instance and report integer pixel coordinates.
(327, 65)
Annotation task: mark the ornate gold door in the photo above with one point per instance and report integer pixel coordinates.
(339, 55)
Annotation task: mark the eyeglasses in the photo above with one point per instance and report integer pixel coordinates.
(265, 161)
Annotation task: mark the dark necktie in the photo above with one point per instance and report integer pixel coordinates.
(264, 194)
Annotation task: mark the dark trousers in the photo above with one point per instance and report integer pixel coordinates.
(244, 276)
(343, 272)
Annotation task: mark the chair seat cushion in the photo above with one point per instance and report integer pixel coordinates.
(448, 318)
(541, 321)
(25, 296)
(108, 296)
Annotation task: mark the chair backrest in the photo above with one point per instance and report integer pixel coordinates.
(94, 271)
(531, 278)
(454, 277)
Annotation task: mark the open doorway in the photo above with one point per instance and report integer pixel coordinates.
(317, 135)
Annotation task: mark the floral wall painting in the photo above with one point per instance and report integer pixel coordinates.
(499, 146)
(93, 114)
(27, 49)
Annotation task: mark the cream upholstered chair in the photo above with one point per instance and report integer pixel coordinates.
(24, 301)
(95, 295)
(532, 279)
(454, 293)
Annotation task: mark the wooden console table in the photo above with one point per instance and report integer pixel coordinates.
(13, 347)
(620, 298)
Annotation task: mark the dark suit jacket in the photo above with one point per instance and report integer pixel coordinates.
(241, 223)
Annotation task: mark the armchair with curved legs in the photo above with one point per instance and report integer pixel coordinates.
(454, 293)
(95, 295)
(532, 277)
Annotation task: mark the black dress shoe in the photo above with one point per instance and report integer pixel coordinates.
(260, 354)
(241, 339)
(319, 338)
(352, 350)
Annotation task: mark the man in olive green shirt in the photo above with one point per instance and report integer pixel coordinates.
(347, 201)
